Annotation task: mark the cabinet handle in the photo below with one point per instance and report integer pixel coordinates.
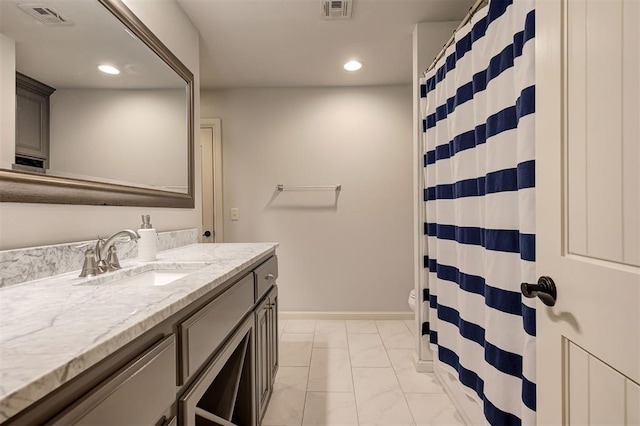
(269, 277)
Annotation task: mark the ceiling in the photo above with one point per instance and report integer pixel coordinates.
(280, 43)
(66, 56)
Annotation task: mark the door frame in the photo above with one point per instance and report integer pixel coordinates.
(218, 211)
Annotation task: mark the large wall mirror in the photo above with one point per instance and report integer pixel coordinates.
(83, 136)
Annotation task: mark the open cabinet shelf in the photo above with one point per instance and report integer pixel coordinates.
(224, 395)
(220, 397)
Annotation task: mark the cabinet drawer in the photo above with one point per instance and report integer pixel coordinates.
(266, 275)
(150, 381)
(203, 332)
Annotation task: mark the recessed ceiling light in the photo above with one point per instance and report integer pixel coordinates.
(352, 66)
(108, 69)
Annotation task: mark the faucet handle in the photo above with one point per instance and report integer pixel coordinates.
(112, 259)
(101, 265)
(90, 266)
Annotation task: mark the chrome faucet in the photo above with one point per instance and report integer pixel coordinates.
(105, 250)
(103, 258)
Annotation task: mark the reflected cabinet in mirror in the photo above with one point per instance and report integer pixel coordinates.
(84, 133)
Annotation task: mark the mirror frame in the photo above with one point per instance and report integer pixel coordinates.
(24, 187)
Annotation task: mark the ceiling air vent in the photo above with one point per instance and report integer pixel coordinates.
(45, 14)
(337, 9)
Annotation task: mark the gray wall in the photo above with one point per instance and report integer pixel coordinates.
(124, 135)
(353, 255)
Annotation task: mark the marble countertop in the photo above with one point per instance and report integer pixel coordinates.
(53, 329)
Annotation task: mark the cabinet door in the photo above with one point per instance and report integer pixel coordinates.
(32, 118)
(263, 369)
(273, 334)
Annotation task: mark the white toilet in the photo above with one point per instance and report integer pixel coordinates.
(412, 299)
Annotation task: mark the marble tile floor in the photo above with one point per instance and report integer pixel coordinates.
(354, 372)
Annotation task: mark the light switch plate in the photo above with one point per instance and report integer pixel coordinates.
(235, 214)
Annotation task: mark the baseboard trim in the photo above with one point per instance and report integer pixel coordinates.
(346, 315)
(423, 366)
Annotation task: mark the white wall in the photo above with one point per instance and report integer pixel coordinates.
(128, 135)
(24, 225)
(351, 255)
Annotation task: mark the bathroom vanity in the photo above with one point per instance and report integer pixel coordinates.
(201, 349)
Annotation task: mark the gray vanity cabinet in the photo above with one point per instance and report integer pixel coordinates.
(205, 331)
(223, 392)
(263, 383)
(265, 276)
(149, 380)
(233, 387)
(273, 334)
(32, 121)
(266, 314)
(205, 365)
(266, 317)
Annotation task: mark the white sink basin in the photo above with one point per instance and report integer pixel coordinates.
(154, 278)
(148, 275)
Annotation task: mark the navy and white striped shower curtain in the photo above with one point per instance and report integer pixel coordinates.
(477, 106)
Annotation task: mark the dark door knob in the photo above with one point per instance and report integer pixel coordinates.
(206, 234)
(545, 290)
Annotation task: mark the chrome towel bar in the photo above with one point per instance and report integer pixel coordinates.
(280, 187)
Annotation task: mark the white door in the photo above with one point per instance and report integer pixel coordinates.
(211, 160)
(588, 210)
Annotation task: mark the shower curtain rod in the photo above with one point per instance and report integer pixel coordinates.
(472, 11)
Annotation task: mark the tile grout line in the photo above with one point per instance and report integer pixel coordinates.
(405, 324)
(395, 373)
(353, 383)
(353, 392)
(306, 388)
(386, 350)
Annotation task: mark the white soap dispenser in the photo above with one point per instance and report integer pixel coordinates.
(147, 242)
